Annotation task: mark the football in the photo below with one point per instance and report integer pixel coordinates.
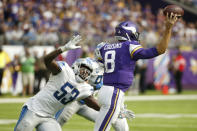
(174, 9)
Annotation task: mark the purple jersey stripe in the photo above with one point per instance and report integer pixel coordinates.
(111, 110)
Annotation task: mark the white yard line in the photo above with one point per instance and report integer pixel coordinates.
(158, 115)
(13, 100)
(161, 97)
(127, 98)
(145, 115)
(7, 121)
(165, 126)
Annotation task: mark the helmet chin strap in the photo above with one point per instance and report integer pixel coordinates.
(128, 37)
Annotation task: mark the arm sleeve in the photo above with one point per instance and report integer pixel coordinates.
(142, 53)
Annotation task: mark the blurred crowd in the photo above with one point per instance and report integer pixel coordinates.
(192, 3)
(26, 73)
(46, 22)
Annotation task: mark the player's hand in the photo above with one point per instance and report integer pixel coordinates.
(130, 114)
(171, 19)
(98, 86)
(72, 44)
(124, 113)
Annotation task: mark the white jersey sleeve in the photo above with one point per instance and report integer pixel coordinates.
(97, 52)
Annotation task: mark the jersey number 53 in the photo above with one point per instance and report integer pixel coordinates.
(66, 94)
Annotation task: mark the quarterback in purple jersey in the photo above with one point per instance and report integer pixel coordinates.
(119, 61)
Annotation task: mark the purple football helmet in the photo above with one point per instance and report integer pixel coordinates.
(126, 31)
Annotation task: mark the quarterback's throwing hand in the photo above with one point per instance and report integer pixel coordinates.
(72, 44)
(171, 19)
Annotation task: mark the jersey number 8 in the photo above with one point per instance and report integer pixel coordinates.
(109, 61)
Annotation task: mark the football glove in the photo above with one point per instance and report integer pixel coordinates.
(71, 44)
(98, 86)
(124, 113)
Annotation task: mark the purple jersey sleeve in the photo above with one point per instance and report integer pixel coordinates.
(142, 53)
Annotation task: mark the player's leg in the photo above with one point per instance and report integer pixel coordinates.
(31, 82)
(121, 124)
(27, 120)
(66, 113)
(49, 125)
(110, 99)
(91, 114)
(25, 83)
(88, 113)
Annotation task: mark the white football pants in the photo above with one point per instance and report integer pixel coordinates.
(111, 99)
(29, 120)
(83, 110)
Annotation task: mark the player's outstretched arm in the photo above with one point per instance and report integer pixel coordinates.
(49, 58)
(163, 44)
(92, 103)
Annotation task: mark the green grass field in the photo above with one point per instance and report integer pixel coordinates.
(163, 115)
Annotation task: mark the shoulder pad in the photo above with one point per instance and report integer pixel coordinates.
(134, 46)
(62, 64)
(100, 45)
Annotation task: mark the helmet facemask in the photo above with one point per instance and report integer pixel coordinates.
(87, 69)
(83, 74)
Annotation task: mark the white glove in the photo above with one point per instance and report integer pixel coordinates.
(124, 113)
(129, 114)
(72, 44)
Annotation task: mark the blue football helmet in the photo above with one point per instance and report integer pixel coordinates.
(126, 31)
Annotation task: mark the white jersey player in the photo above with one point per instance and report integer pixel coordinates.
(78, 107)
(63, 87)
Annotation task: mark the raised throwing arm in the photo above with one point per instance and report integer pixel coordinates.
(163, 44)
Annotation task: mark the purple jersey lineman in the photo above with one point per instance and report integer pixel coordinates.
(119, 61)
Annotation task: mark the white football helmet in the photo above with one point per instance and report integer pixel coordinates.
(86, 69)
(97, 74)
